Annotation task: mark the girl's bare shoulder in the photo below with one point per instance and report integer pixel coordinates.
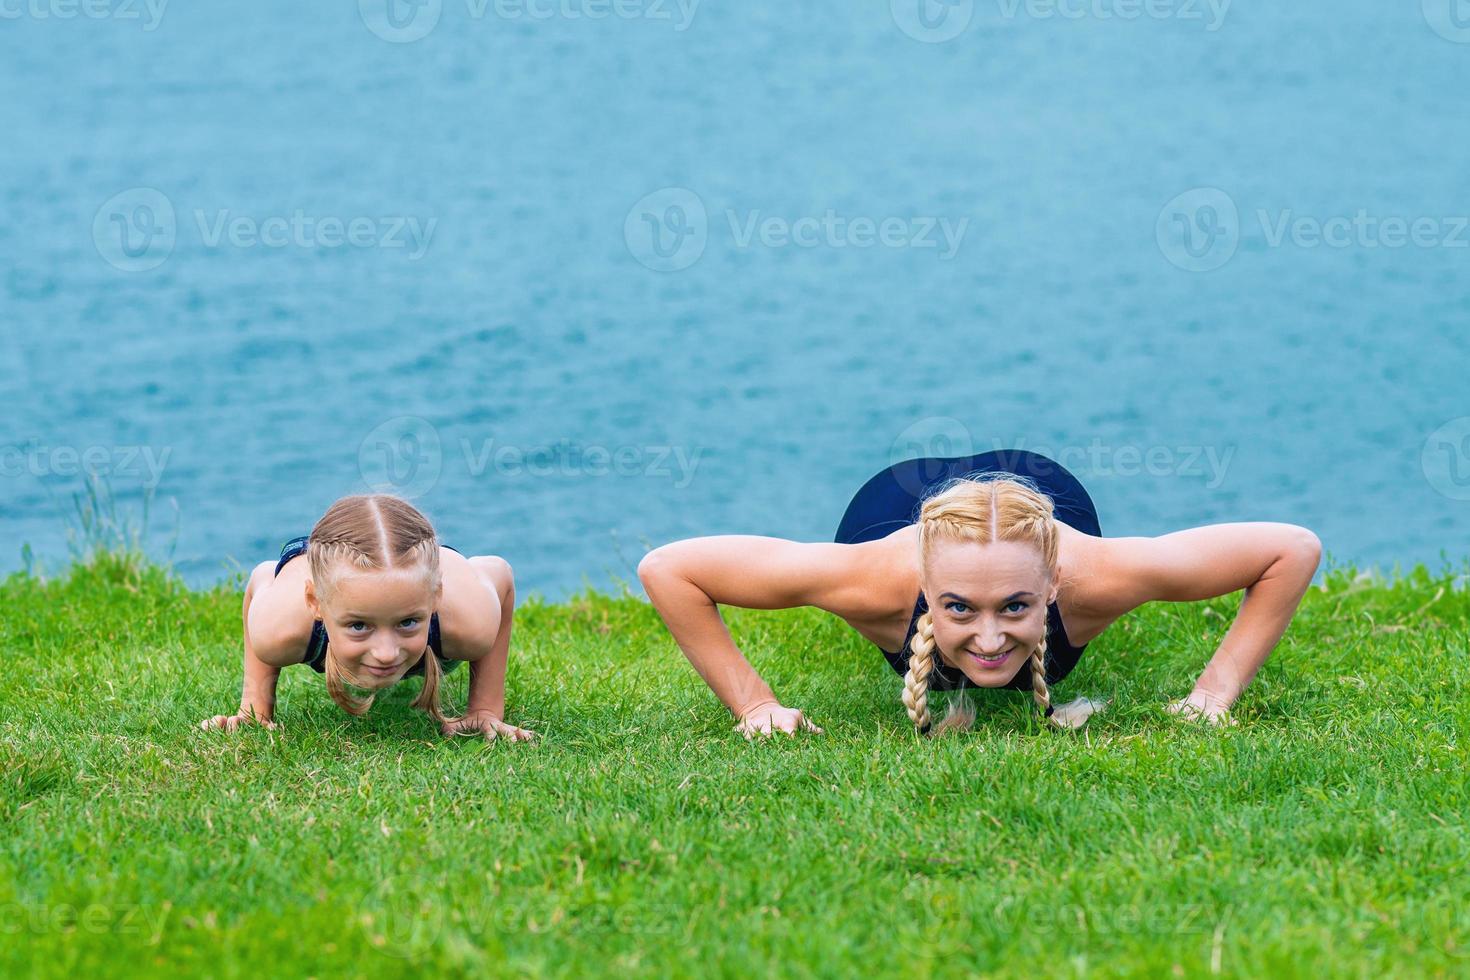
(471, 609)
(278, 621)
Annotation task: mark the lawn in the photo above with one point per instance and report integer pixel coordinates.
(1324, 835)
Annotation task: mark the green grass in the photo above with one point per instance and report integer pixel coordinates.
(1325, 835)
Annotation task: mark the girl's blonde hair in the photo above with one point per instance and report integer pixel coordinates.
(980, 510)
(373, 532)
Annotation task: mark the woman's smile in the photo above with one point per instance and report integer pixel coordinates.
(990, 661)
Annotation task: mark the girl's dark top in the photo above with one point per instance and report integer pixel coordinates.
(316, 647)
(892, 499)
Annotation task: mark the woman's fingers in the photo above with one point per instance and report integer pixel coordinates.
(787, 722)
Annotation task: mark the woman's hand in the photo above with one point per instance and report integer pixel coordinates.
(488, 724)
(770, 717)
(1202, 705)
(1074, 714)
(230, 723)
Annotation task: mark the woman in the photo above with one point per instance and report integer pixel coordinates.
(1012, 579)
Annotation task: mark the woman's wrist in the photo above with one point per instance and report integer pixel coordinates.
(765, 702)
(1208, 700)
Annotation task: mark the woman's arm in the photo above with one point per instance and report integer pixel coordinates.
(1273, 563)
(485, 713)
(687, 580)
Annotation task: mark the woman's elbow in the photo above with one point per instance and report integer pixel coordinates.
(1304, 549)
(655, 569)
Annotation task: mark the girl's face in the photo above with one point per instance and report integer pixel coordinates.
(989, 606)
(377, 622)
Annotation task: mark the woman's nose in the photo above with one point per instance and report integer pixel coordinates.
(989, 640)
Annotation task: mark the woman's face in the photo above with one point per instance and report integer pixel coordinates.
(989, 606)
(377, 622)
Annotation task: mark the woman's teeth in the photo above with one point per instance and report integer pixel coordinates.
(992, 661)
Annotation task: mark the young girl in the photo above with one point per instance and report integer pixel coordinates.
(377, 599)
(1013, 580)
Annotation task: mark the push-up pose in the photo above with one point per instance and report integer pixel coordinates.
(1013, 580)
(377, 599)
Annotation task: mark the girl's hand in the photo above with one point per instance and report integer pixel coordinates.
(230, 723)
(771, 717)
(485, 723)
(1200, 705)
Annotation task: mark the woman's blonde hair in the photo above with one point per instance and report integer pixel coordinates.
(375, 532)
(980, 510)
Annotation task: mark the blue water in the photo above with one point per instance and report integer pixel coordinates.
(752, 384)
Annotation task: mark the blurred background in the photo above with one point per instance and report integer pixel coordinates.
(581, 277)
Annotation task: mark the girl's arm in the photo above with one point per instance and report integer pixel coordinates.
(486, 710)
(1273, 563)
(687, 580)
(258, 692)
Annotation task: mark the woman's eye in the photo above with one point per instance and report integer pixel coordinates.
(958, 608)
(1019, 603)
(409, 624)
(357, 627)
